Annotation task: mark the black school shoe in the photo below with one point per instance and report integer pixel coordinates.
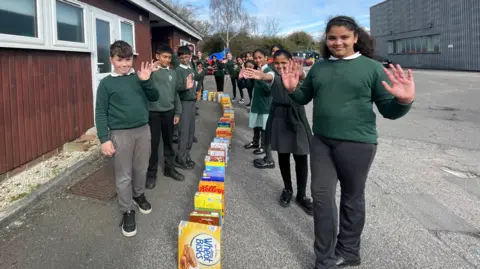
(195, 140)
(259, 151)
(263, 164)
(172, 173)
(129, 227)
(306, 204)
(143, 205)
(151, 182)
(286, 197)
(183, 165)
(251, 145)
(190, 162)
(342, 263)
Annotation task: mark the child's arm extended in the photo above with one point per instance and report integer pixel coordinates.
(101, 113)
(144, 75)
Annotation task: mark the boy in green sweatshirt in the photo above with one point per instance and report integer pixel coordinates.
(164, 115)
(121, 115)
(187, 92)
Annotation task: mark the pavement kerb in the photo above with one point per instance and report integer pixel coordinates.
(21, 206)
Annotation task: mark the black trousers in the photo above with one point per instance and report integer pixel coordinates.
(259, 138)
(347, 162)
(220, 81)
(240, 89)
(161, 125)
(301, 170)
(234, 87)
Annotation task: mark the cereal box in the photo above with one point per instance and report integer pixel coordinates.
(199, 246)
(224, 132)
(211, 96)
(222, 140)
(213, 176)
(205, 94)
(212, 187)
(207, 201)
(223, 146)
(219, 159)
(206, 217)
(217, 152)
(215, 167)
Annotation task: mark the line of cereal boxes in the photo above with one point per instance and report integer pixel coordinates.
(199, 238)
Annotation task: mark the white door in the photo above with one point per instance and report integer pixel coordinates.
(105, 33)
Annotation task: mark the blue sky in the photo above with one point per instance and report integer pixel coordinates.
(295, 15)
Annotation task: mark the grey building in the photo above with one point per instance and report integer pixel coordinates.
(433, 34)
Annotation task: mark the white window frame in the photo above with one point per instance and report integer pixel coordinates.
(16, 41)
(188, 43)
(68, 44)
(120, 20)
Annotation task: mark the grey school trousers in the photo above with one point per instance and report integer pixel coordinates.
(348, 162)
(132, 153)
(186, 129)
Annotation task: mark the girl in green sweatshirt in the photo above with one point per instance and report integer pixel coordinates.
(343, 89)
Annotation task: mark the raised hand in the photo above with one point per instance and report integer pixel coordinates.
(290, 76)
(251, 73)
(199, 69)
(145, 70)
(403, 88)
(242, 73)
(189, 82)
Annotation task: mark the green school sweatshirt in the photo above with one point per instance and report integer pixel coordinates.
(165, 81)
(235, 71)
(175, 61)
(122, 103)
(343, 93)
(262, 95)
(229, 66)
(182, 73)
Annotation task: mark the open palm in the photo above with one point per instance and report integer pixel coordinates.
(403, 87)
(145, 71)
(189, 81)
(290, 76)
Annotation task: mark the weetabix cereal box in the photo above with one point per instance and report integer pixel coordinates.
(199, 246)
(207, 201)
(206, 217)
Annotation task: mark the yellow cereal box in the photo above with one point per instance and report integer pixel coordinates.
(199, 246)
(213, 187)
(207, 201)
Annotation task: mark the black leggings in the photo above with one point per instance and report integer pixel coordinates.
(250, 92)
(301, 169)
(220, 81)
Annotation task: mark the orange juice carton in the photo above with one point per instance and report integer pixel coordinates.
(207, 201)
(221, 146)
(199, 246)
(206, 217)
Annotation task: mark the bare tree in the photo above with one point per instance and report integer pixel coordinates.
(272, 27)
(188, 12)
(229, 18)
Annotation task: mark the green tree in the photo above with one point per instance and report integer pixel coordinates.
(301, 40)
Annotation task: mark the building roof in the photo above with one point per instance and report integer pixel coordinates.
(160, 9)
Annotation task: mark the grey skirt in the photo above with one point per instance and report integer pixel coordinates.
(285, 140)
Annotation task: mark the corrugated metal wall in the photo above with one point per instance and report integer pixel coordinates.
(457, 22)
(45, 101)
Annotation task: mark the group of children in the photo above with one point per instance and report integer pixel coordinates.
(134, 110)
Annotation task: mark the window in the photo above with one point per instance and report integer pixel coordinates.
(127, 33)
(19, 18)
(70, 25)
(421, 44)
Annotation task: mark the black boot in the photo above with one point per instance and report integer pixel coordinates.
(182, 164)
(151, 182)
(259, 151)
(342, 263)
(189, 162)
(286, 197)
(306, 204)
(171, 172)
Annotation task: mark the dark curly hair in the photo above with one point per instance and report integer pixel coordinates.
(365, 43)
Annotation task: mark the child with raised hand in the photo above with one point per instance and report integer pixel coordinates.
(187, 92)
(164, 115)
(343, 88)
(234, 75)
(288, 132)
(121, 115)
(247, 83)
(260, 106)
